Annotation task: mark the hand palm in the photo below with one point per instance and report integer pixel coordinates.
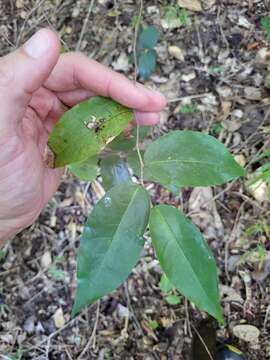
(45, 86)
(32, 182)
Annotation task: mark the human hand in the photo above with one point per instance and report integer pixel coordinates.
(37, 86)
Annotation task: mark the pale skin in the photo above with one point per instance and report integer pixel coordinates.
(37, 85)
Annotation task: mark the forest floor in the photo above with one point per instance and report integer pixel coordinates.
(217, 63)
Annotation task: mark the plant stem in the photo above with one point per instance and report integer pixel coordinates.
(137, 27)
(90, 8)
(139, 153)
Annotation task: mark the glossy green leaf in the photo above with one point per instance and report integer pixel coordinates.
(185, 258)
(122, 143)
(111, 242)
(134, 163)
(85, 130)
(85, 170)
(189, 158)
(147, 63)
(148, 38)
(165, 285)
(125, 143)
(172, 299)
(153, 325)
(114, 171)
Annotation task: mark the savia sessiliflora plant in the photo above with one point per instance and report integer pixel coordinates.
(89, 137)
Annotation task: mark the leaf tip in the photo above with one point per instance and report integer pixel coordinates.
(75, 309)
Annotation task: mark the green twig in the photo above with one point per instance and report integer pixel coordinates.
(137, 28)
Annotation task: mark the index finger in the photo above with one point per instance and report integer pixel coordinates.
(76, 71)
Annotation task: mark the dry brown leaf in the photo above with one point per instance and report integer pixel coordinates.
(58, 318)
(176, 52)
(192, 5)
(46, 259)
(204, 212)
(240, 159)
(98, 189)
(229, 294)
(248, 333)
(259, 191)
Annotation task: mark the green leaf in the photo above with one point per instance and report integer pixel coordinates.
(165, 285)
(114, 171)
(84, 131)
(265, 24)
(148, 38)
(2, 254)
(176, 17)
(147, 63)
(56, 273)
(122, 143)
(111, 242)
(153, 325)
(172, 299)
(185, 258)
(189, 158)
(85, 170)
(134, 163)
(125, 143)
(171, 19)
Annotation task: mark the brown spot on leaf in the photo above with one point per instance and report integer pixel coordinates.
(49, 157)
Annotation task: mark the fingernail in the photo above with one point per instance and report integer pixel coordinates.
(150, 92)
(38, 44)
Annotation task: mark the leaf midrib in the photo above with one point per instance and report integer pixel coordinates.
(180, 161)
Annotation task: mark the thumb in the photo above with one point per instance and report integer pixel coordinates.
(23, 72)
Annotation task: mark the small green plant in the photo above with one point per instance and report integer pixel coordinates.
(145, 51)
(176, 17)
(216, 128)
(260, 228)
(153, 325)
(265, 24)
(169, 291)
(16, 356)
(190, 108)
(54, 271)
(89, 137)
(2, 254)
(262, 174)
(215, 69)
(184, 18)
(260, 253)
